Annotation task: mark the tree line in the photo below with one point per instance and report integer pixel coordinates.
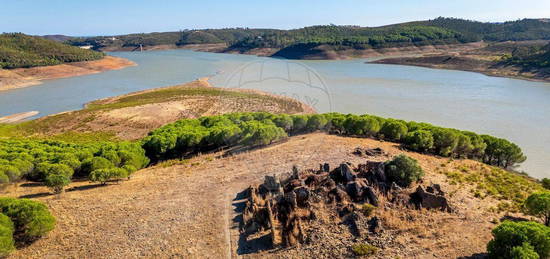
(208, 133)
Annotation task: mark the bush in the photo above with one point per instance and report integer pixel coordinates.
(316, 122)
(364, 249)
(445, 141)
(7, 244)
(96, 163)
(31, 218)
(546, 183)
(525, 251)
(108, 174)
(361, 125)
(299, 123)
(420, 140)
(57, 182)
(284, 121)
(394, 130)
(513, 238)
(403, 170)
(538, 205)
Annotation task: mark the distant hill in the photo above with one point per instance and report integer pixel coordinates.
(57, 37)
(418, 33)
(19, 50)
(526, 29)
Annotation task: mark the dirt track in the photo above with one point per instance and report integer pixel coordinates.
(185, 211)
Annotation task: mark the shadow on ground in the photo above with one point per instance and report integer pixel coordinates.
(475, 256)
(247, 244)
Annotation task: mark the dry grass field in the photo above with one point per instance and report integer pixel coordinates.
(186, 209)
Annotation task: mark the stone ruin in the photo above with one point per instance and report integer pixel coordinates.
(283, 206)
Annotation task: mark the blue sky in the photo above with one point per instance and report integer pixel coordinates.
(110, 17)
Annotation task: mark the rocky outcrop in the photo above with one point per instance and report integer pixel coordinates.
(286, 206)
(431, 198)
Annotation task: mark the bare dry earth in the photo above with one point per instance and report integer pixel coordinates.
(185, 210)
(23, 77)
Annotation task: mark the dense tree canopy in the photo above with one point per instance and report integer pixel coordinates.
(55, 162)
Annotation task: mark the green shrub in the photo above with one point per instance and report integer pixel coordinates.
(525, 251)
(513, 238)
(109, 174)
(7, 244)
(445, 141)
(257, 133)
(284, 121)
(31, 218)
(420, 140)
(546, 183)
(4, 178)
(299, 123)
(57, 182)
(361, 125)
(403, 170)
(316, 122)
(96, 163)
(364, 249)
(538, 205)
(394, 130)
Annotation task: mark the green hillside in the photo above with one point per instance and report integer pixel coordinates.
(20, 50)
(437, 31)
(530, 57)
(526, 29)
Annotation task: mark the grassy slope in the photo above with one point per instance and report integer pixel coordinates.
(20, 50)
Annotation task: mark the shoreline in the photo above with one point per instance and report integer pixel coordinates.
(25, 77)
(509, 72)
(18, 117)
(323, 52)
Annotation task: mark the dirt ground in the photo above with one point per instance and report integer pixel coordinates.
(187, 209)
(23, 77)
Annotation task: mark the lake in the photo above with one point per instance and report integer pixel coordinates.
(517, 110)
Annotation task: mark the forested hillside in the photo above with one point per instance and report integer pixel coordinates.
(530, 57)
(437, 31)
(20, 50)
(526, 29)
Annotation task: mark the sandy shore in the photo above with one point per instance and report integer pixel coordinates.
(17, 117)
(24, 77)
